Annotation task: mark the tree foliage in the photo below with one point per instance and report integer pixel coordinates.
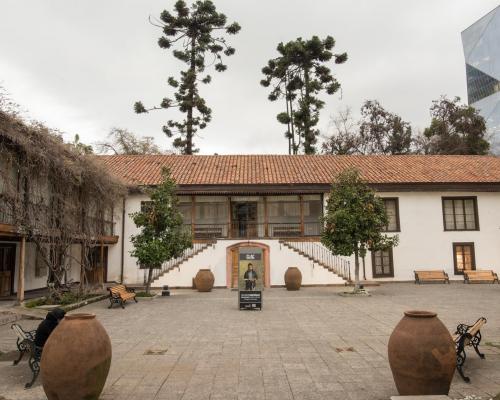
(299, 75)
(162, 235)
(345, 139)
(383, 132)
(192, 33)
(379, 131)
(81, 148)
(122, 141)
(355, 219)
(455, 129)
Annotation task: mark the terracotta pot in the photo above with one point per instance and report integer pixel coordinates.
(293, 278)
(76, 359)
(204, 280)
(422, 355)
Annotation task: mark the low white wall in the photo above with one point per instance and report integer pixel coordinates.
(280, 258)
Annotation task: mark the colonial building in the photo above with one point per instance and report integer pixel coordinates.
(445, 209)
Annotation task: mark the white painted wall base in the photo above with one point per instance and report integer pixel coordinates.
(31, 280)
(280, 258)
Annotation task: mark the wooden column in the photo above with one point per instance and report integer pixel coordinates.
(20, 276)
(193, 211)
(301, 215)
(82, 264)
(101, 275)
(230, 227)
(266, 218)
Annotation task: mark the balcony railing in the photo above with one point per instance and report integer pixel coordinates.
(251, 230)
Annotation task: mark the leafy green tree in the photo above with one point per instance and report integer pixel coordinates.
(162, 236)
(299, 75)
(122, 141)
(455, 129)
(194, 32)
(383, 132)
(354, 220)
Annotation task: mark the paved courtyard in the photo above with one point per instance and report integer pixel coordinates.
(311, 344)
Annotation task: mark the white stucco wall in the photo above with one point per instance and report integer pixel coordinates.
(280, 258)
(423, 244)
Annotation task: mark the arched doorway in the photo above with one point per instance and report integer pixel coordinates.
(232, 253)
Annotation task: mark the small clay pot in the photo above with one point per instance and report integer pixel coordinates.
(204, 280)
(293, 278)
(422, 355)
(76, 359)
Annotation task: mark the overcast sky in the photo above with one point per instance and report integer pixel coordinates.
(79, 66)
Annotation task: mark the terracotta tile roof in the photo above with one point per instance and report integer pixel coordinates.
(301, 169)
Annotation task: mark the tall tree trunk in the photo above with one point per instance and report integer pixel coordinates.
(294, 145)
(364, 269)
(356, 270)
(188, 149)
(308, 149)
(288, 114)
(150, 277)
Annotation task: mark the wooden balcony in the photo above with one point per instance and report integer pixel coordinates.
(251, 230)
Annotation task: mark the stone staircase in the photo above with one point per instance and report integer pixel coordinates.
(177, 262)
(320, 255)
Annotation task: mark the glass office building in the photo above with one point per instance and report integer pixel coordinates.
(481, 43)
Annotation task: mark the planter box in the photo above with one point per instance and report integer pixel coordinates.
(69, 307)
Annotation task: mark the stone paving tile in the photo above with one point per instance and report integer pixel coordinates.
(310, 344)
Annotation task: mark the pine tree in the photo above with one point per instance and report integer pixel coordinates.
(299, 75)
(194, 31)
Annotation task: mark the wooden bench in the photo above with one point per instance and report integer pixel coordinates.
(467, 335)
(431, 276)
(119, 294)
(480, 276)
(26, 345)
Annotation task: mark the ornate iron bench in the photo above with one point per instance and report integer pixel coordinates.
(480, 276)
(26, 345)
(120, 294)
(431, 276)
(467, 335)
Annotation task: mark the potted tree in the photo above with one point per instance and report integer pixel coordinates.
(162, 235)
(354, 221)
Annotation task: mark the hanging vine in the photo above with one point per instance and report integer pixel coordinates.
(52, 195)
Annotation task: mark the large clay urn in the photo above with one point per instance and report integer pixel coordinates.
(76, 359)
(421, 355)
(204, 280)
(293, 278)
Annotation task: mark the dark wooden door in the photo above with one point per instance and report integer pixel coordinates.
(98, 273)
(7, 268)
